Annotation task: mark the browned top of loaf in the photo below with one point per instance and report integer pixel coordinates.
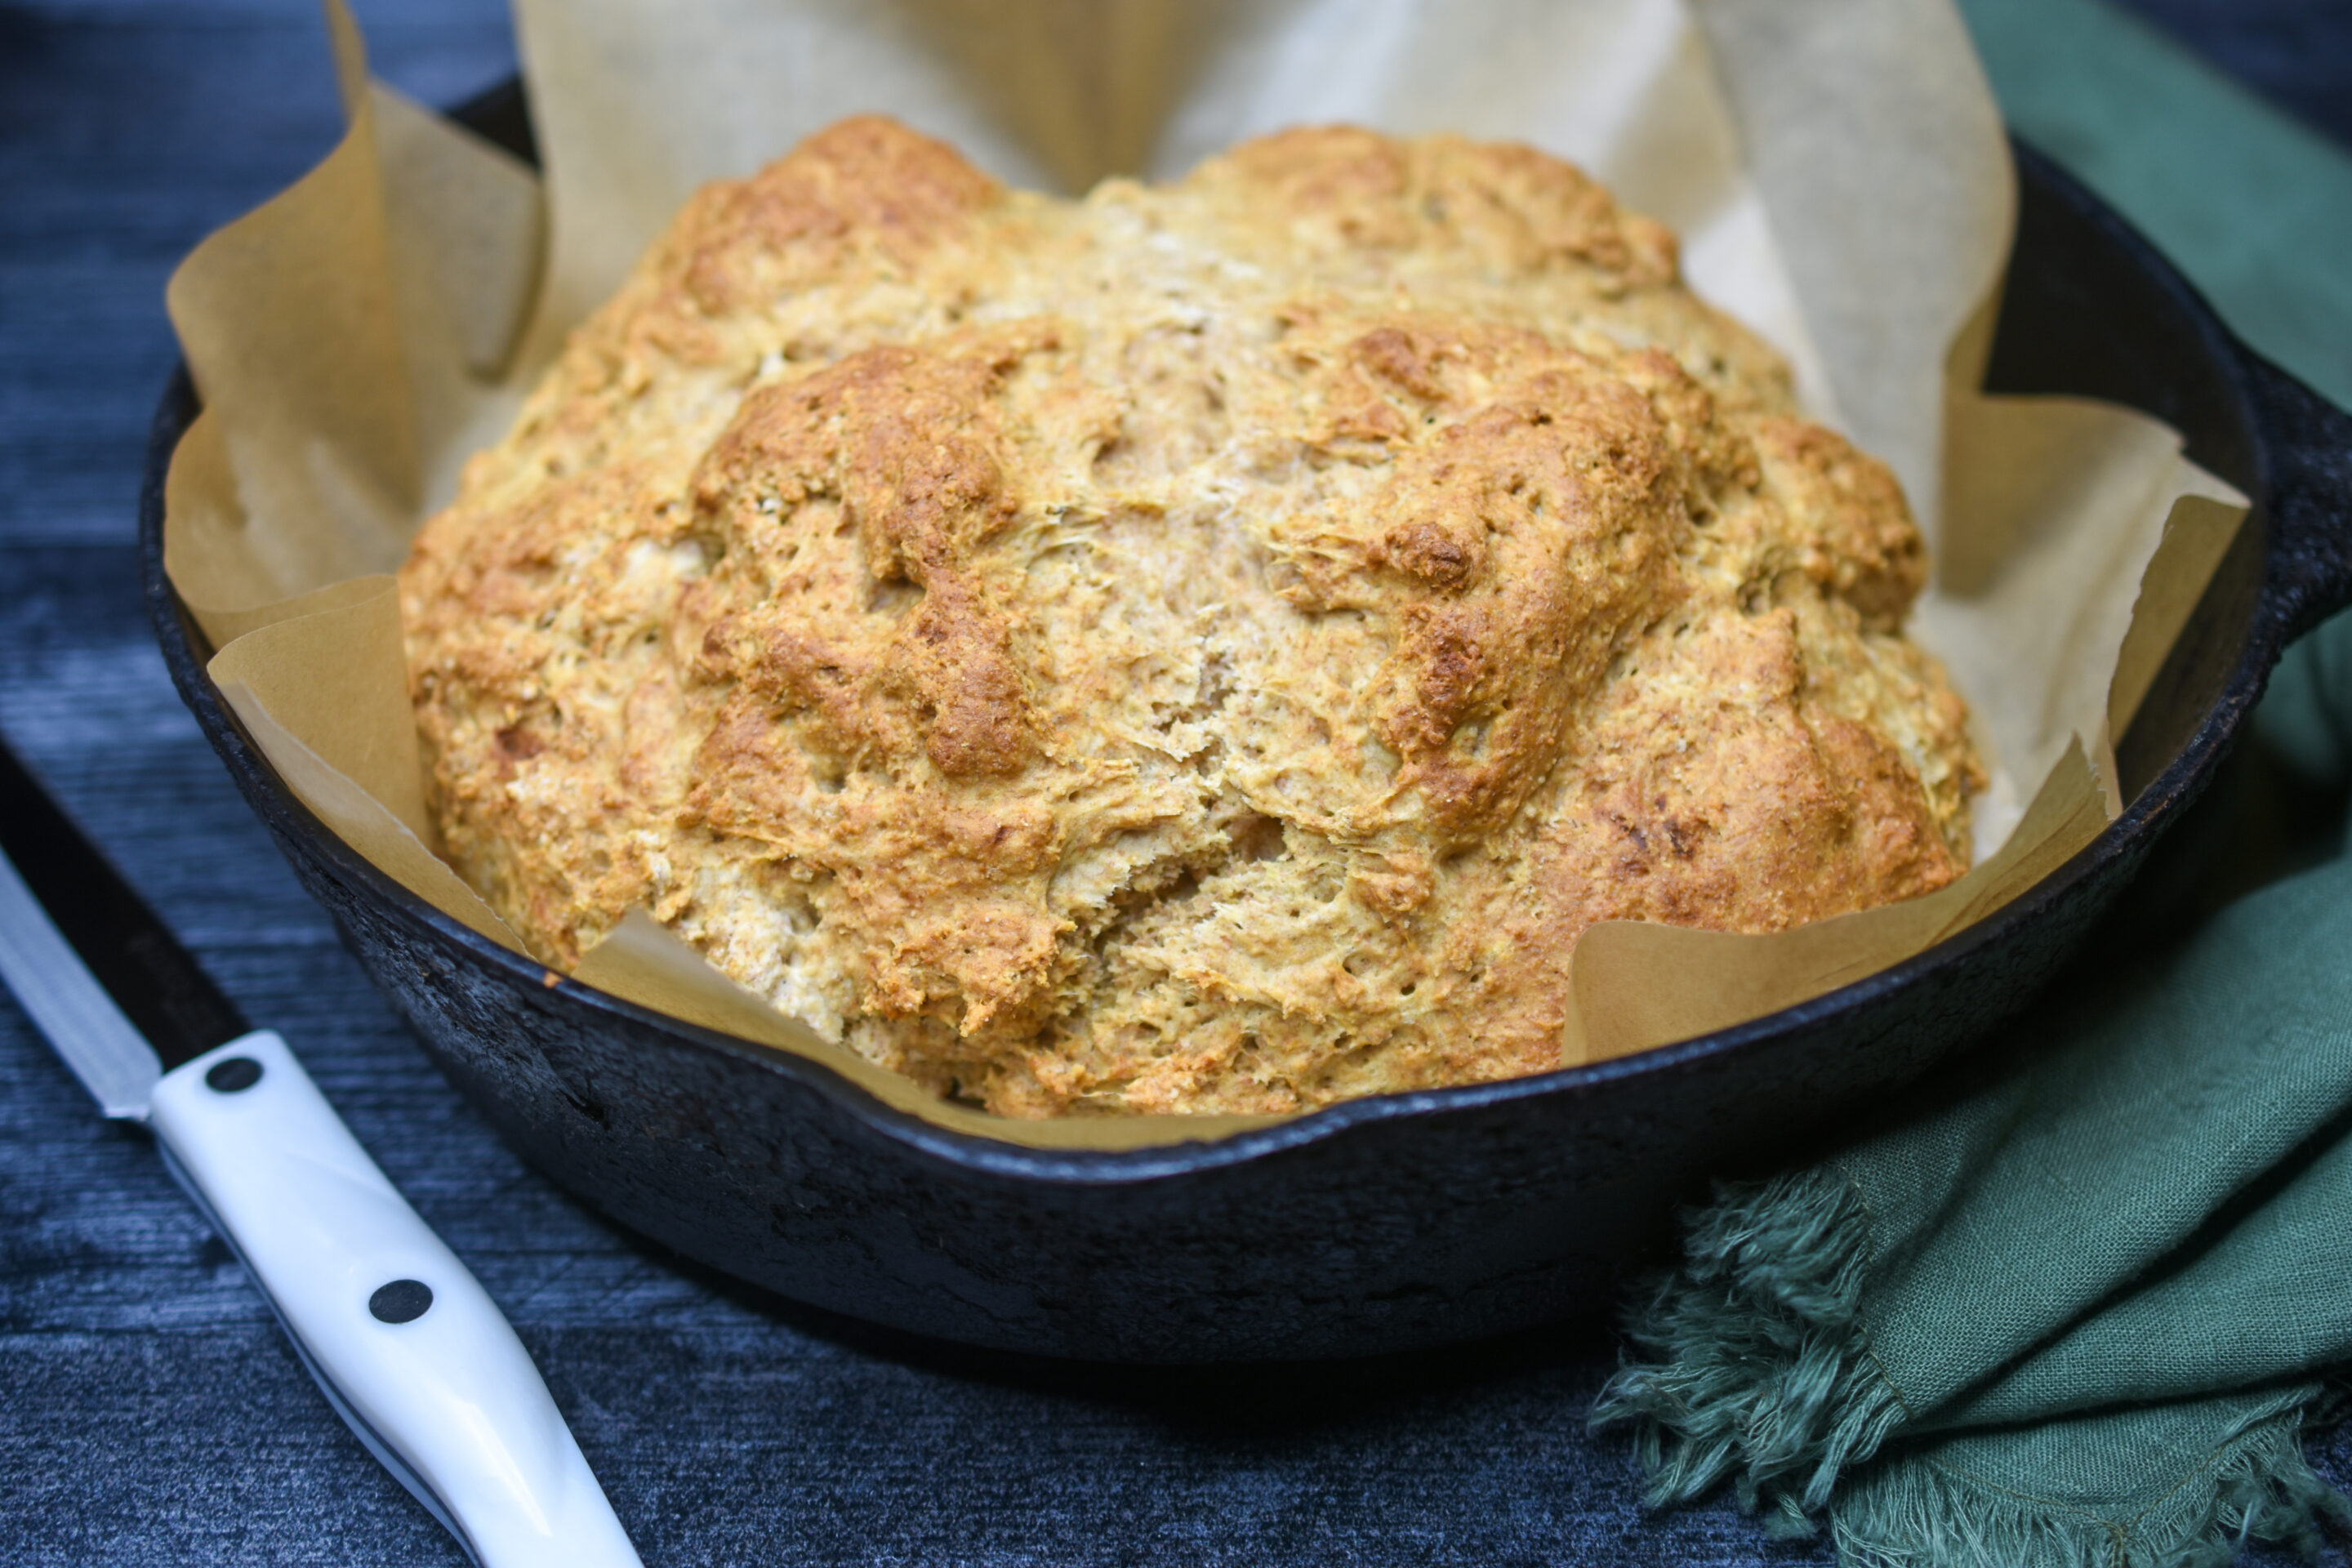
(1201, 647)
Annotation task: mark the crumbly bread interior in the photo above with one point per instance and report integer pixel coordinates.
(1203, 647)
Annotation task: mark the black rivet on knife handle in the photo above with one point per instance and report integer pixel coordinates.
(234, 1075)
(402, 1301)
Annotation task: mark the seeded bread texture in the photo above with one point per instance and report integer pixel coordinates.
(1203, 647)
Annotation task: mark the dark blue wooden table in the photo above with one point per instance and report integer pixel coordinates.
(150, 1411)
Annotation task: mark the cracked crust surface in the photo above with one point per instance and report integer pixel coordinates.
(1206, 647)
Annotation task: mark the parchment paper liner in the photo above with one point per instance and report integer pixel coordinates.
(1835, 167)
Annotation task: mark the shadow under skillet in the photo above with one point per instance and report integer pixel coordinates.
(1233, 1399)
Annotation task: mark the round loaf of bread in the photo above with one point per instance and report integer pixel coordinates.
(1203, 647)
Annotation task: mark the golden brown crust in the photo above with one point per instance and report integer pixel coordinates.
(1209, 647)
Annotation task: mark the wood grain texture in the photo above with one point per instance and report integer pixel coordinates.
(150, 1411)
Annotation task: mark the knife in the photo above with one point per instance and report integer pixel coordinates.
(406, 1343)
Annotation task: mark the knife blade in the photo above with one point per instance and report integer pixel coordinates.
(152, 1009)
(408, 1348)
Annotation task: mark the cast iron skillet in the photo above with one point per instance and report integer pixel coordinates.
(1387, 1223)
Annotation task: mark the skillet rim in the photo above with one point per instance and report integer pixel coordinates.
(2143, 820)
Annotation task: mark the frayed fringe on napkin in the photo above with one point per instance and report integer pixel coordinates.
(1761, 1373)
(1917, 1513)
(1760, 1369)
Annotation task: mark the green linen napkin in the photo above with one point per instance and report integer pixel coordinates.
(2256, 207)
(2305, 718)
(2076, 1303)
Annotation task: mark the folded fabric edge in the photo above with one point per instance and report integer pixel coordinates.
(1759, 1367)
(1910, 1511)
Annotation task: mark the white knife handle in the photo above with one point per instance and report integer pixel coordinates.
(447, 1397)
